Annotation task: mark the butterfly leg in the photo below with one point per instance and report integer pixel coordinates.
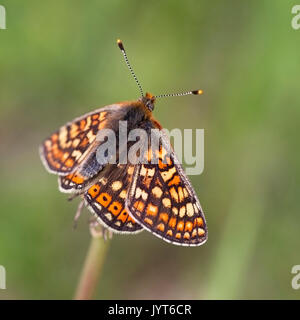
(73, 196)
(78, 213)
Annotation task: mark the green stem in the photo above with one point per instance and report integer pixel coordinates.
(92, 268)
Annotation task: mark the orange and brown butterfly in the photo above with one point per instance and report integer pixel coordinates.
(127, 198)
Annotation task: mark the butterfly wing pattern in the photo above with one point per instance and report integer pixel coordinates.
(163, 201)
(71, 153)
(68, 147)
(106, 199)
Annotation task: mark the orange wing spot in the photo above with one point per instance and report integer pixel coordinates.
(161, 153)
(172, 222)
(84, 142)
(170, 233)
(60, 155)
(115, 208)
(130, 219)
(57, 153)
(164, 217)
(198, 222)
(104, 199)
(181, 195)
(148, 221)
(94, 190)
(95, 116)
(162, 165)
(102, 115)
(77, 179)
(161, 227)
(151, 210)
(73, 131)
(188, 226)
(57, 165)
(123, 216)
(54, 146)
(178, 235)
(139, 205)
(82, 124)
(180, 226)
(186, 236)
(175, 180)
(69, 163)
(174, 194)
(68, 177)
(54, 137)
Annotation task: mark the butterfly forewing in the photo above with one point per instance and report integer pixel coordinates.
(68, 147)
(162, 199)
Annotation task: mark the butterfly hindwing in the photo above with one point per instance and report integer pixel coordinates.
(162, 200)
(106, 199)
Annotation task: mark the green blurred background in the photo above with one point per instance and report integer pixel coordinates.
(59, 59)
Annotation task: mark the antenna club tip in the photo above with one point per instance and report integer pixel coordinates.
(197, 92)
(120, 44)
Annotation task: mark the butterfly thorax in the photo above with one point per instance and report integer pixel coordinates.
(137, 112)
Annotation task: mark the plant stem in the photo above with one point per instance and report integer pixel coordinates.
(92, 268)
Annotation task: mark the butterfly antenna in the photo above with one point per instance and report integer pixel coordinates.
(195, 92)
(120, 44)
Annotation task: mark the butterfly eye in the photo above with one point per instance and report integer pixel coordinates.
(150, 105)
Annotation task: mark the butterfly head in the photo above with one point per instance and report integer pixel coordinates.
(148, 100)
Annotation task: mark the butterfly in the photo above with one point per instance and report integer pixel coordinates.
(127, 198)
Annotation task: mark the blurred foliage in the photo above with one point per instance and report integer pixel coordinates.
(59, 60)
